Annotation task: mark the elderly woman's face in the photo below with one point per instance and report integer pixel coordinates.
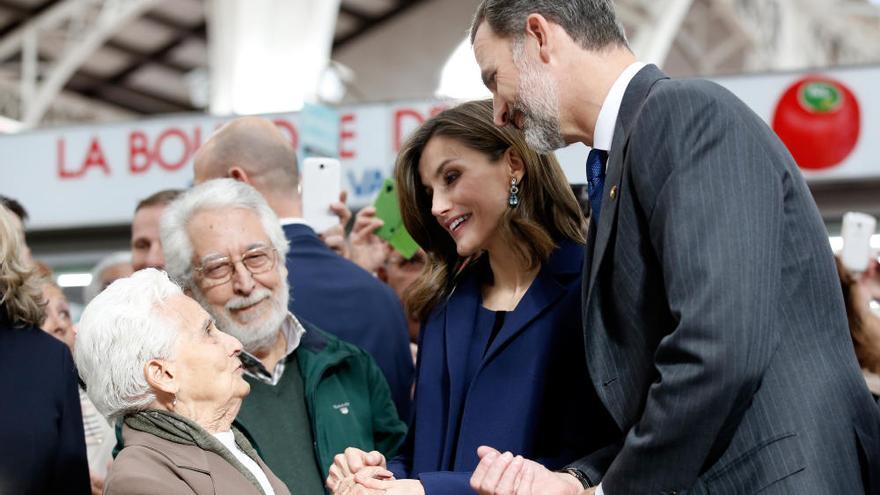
(209, 372)
(57, 322)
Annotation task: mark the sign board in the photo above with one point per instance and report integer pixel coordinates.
(94, 175)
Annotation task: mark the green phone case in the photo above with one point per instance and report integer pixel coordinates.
(393, 231)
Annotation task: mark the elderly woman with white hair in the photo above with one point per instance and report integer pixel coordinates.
(152, 357)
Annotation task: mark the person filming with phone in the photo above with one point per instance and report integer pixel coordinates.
(859, 272)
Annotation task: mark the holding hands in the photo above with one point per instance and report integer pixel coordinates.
(506, 474)
(356, 472)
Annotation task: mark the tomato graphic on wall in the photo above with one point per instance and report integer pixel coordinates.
(819, 121)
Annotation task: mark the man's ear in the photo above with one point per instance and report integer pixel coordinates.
(539, 29)
(515, 165)
(239, 174)
(161, 376)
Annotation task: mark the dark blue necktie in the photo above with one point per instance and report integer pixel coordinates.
(596, 180)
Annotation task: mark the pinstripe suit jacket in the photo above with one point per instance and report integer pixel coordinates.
(715, 329)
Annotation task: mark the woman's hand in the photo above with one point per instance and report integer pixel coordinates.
(349, 463)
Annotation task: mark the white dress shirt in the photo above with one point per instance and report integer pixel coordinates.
(603, 134)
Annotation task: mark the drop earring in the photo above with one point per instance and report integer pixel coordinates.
(513, 199)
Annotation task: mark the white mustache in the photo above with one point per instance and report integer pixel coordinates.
(243, 302)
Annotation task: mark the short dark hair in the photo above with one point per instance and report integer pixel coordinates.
(160, 198)
(15, 207)
(590, 23)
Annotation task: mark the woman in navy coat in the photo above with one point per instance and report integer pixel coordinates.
(42, 444)
(501, 359)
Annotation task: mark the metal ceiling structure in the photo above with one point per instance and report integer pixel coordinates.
(129, 57)
(64, 61)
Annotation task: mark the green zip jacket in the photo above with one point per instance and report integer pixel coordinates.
(347, 397)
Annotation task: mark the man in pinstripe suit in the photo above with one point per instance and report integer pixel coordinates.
(715, 331)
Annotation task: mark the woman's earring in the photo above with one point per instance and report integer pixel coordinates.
(174, 401)
(513, 200)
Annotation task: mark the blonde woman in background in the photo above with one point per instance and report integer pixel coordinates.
(42, 449)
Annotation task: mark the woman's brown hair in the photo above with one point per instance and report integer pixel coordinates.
(864, 326)
(20, 293)
(547, 212)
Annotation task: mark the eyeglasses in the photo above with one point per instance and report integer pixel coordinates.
(256, 260)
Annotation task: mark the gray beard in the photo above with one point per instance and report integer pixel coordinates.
(538, 103)
(253, 337)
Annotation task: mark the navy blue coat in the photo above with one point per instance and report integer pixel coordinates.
(42, 444)
(527, 395)
(348, 302)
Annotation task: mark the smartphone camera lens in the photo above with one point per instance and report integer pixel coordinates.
(321, 166)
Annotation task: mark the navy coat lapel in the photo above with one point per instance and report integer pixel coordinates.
(461, 312)
(543, 292)
(632, 102)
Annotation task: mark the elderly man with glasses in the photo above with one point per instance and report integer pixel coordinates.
(312, 395)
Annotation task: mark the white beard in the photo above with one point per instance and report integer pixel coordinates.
(253, 337)
(538, 103)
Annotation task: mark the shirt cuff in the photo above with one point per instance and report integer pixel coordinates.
(599, 490)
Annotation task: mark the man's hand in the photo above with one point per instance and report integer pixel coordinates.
(367, 249)
(334, 237)
(349, 463)
(506, 474)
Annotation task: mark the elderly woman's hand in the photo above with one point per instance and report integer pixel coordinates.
(377, 479)
(352, 484)
(350, 462)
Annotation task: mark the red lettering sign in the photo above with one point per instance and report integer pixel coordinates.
(94, 158)
(399, 117)
(344, 135)
(139, 157)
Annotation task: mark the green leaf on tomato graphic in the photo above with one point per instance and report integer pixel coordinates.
(819, 121)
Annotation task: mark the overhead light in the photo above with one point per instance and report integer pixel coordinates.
(74, 279)
(10, 126)
(460, 78)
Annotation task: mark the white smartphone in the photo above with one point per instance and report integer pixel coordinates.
(321, 185)
(856, 231)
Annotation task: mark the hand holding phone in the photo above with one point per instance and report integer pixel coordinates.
(321, 185)
(393, 231)
(856, 231)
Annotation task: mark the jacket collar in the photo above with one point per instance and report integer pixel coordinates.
(633, 99)
(460, 311)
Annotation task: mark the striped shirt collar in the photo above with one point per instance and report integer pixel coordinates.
(293, 332)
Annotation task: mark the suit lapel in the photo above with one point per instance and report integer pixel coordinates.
(632, 102)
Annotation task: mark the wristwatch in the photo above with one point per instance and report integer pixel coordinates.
(577, 473)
